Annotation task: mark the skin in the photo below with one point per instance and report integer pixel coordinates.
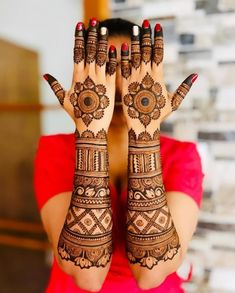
(183, 208)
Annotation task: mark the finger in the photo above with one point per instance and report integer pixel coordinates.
(146, 42)
(158, 47)
(56, 87)
(102, 49)
(135, 47)
(92, 40)
(182, 91)
(125, 63)
(112, 64)
(79, 44)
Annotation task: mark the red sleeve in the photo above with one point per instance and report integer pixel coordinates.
(183, 169)
(53, 166)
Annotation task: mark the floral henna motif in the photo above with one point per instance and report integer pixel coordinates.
(145, 100)
(86, 238)
(151, 235)
(89, 100)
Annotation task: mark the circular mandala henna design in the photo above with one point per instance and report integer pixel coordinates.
(89, 100)
(145, 100)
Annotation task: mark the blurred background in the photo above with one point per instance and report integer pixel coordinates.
(37, 37)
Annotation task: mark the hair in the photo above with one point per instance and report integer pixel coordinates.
(118, 26)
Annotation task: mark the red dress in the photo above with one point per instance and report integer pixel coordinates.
(54, 170)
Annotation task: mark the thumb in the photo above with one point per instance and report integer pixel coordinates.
(56, 87)
(182, 91)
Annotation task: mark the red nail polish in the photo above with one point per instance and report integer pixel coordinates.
(45, 76)
(125, 47)
(146, 24)
(158, 27)
(93, 22)
(112, 49)
(80, 26)
(194, 78)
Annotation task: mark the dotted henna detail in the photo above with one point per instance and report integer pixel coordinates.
(145, 100)
(89, 100)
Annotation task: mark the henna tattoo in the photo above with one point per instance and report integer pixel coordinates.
(56, 87)
(92, 41)
(135, 48)
(112, 64)
(79, 46)
(125, 64)
(86, 238)
(102, 47)
(182, 91)
(89, 100)
(151, 234)
(145, 100)
(146, 44)
(158, 48)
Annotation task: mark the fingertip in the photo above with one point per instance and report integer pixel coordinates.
(45, 76)
(49, 78)
(194, 77)
(125, 49)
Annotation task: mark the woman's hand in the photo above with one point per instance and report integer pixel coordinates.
(146, 102)
(90, 100)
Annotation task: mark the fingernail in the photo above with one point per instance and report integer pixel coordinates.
(125, 47)
(93, 22)
(45, 76)
(135, 30)
(194, 78)
(80, 26)
(145, 24)
(158, 27)
(112, 49)
(103, 31)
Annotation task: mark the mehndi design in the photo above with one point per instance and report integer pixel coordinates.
(86, 238)
(144, 100)
(79, 44)
(151, 235)
(89, 100)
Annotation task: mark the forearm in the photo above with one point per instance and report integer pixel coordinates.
(151, 234)
(86, 237)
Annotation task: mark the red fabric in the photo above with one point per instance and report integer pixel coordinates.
(54, 169)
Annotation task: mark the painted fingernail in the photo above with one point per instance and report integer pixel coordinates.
(135, 30)
(93, 22)
(194, 78)
(158, 27)
(45, 76)
(145, 24)
(125, 47)
(103, 31)
(112, 49)
(80, 26)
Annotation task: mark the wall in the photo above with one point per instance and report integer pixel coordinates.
(46, 27)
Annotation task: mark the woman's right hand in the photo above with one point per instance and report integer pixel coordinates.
(90, 100)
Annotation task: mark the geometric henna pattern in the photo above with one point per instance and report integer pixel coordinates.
(102, 47)
(79, 45)
(92, 38)
(158, 47)
(89, 100)
(144, 100)
(86, 238)
(146, 45)
(135, 48)
(179, 95)
(151, 235)
(125, 63)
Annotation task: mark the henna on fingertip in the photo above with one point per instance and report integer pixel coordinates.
(102, 47)
(182, 91)
(56, 87)
(125, 62)
(146, 42)
(92, 41)
(79, 44)
(158, 47)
